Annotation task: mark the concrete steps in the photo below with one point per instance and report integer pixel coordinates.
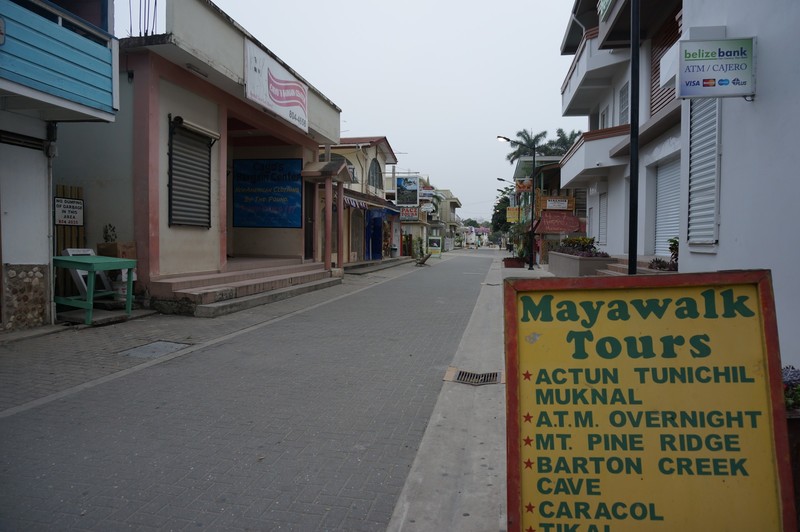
(621, 268)
(363, 268)
(220, 308)
(203, 295)
(167, 286)
(216, 294)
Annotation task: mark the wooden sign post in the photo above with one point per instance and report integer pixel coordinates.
(645, 403)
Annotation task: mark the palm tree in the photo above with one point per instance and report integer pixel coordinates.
(499, 221)
(525, 145)
(561, 144)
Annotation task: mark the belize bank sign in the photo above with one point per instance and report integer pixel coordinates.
(717, 69)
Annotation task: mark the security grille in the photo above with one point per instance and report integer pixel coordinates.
(22, 141)
(189, 176)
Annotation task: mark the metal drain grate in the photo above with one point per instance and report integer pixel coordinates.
(153, 349)
(476, 379)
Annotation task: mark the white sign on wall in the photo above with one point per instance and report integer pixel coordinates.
(68, 211)
(557, 204)
(717, 69)
(271, 85)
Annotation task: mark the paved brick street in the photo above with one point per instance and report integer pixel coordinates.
(302, 415)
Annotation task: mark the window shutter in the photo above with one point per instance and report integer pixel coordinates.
(703, 171)
(623, 105)
(580, 202)
(189, 178)
(602, 227)
(667, 36)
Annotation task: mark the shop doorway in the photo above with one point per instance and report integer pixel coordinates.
(374, 235)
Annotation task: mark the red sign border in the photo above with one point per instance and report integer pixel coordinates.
(763, 281)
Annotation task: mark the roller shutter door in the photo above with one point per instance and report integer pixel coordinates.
(189, 178)
(668, 188)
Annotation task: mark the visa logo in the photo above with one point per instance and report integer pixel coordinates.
(692, 83)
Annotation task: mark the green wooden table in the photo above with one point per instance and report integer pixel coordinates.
(94, 264)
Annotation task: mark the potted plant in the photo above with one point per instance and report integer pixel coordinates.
(110, 247)
(577, 256)
(518, 260)
(660, 264)
(514, 262)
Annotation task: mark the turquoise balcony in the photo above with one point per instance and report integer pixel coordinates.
(55, 65)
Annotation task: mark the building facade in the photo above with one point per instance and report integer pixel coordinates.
(58, 66)
(214, 156)
(699, 157)
(371, 222)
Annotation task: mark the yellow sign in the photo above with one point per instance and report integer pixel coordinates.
(512, 215)
(645, 404)
(524, 185)
(435, 245)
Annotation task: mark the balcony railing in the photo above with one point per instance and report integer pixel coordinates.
(592, 70)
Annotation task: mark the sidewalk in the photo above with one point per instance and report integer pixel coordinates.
(44, 364)
(458, 479)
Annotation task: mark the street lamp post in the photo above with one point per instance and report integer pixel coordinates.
(532, 255)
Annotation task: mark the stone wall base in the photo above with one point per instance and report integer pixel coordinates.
(26, 296)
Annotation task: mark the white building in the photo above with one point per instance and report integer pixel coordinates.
(717, 173)
(58, 65)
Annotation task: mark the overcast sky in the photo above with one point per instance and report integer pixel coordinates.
(440, 79)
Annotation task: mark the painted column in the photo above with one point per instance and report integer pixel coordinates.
(326, 252)
(222, 120)
(340, 225)
(146, 146)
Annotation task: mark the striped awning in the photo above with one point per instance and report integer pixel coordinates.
(358, 200)
(356, 203)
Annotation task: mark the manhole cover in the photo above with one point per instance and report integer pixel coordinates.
(454, 374)
(153, 350)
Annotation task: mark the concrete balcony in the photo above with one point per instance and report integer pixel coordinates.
(590, 76)
(57, 66)
(589, 157)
